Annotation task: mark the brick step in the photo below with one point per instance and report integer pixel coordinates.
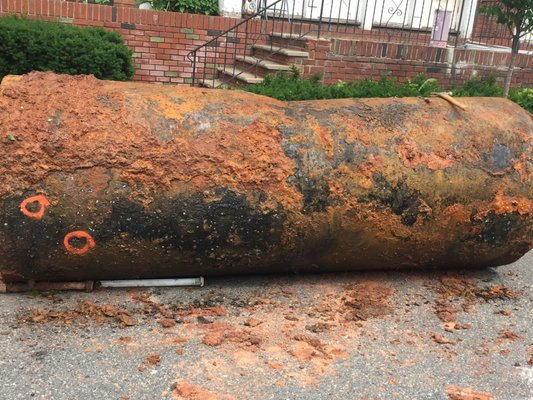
(289, 40)
(259, 66)
(276, 57)
(239, 74)
(281, 50)
(213, 83)
(266, 64)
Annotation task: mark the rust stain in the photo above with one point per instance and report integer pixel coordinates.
(523, 167)
(501, 204)
(42, 202)
(354, 129)
(368, 168)
(221, 156)
(456, 213)
(322, 135)
(412, 157)
(509, 204)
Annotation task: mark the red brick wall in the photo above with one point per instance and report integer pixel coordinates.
(161, 41)
(343, 59)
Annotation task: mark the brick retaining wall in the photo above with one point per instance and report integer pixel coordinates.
(356, 59)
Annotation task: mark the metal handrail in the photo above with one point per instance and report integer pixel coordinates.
(191, 56)
(353, 19)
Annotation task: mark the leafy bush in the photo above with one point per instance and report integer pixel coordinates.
(523, 98)
(48, 46)
(290, 86)
(479, 88)
(207, 7)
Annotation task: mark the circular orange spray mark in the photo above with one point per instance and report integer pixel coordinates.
(41, 200)
(89, 242)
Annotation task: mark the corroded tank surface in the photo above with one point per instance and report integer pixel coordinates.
(115, 180)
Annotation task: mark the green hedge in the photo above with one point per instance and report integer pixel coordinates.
(524, 98)
(290, 86)
(48, 46)
(475, 87)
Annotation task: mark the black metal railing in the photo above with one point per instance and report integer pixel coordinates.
(220, 53)
(440, 23)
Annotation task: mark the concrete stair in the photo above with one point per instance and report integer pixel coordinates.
(239, 74)
(259, 62)
(213, 83)
(281, 50)
(284, 49)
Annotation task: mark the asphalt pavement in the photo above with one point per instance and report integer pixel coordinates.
(460, 335)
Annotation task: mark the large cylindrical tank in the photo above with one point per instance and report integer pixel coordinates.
(108, 180)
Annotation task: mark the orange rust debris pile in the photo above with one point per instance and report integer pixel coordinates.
(293, 332)
(260, 333)
(109, 180)
(85, 311)
(459, 393)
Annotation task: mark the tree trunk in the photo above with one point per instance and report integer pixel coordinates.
(509, 77)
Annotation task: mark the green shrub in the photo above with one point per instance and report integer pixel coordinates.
(48, 46)
(290, 86)
(487, 87)
(524, 98)
(206, 7)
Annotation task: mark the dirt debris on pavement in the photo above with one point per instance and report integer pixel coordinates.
(150, 361)
(303, 347)
(441, 339)
(84, 312)
(459, 393)
(495, 292)
(509, 335)
(286, 334)
(188, 391)
(455, 292)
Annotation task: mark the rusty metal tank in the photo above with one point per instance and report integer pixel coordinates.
(108, 180)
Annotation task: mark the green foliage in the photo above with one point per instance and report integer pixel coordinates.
(478, 88)
(523, 98)
(48, 46)
(290, 86)
(206, 7)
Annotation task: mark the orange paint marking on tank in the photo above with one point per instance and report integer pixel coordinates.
(39, 214)
(89, 242)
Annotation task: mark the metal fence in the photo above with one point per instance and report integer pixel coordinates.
(437, 23)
